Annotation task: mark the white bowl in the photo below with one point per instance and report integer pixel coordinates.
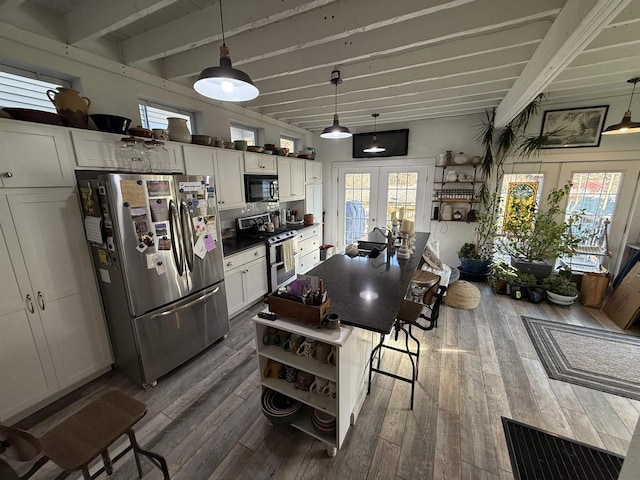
(561, 299)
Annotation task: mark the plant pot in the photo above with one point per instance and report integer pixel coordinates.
(561, 299)
(540, 269)
(474, 266)
(498, 285)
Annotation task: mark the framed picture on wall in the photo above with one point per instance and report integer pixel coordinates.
(575, 127)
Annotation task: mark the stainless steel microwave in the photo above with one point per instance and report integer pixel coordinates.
(261, 188)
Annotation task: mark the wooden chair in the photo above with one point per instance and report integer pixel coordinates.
(75, 442)
(411, 314)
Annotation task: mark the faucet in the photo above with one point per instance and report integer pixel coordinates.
(388, 235)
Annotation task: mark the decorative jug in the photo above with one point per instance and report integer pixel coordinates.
(178, 130)
(460, 159)
(73, 107)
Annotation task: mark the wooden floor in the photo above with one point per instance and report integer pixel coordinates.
(477, 366)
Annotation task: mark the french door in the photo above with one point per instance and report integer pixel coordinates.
(369, 196)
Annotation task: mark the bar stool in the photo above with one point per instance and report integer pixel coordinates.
(79, 439)
(411, 314)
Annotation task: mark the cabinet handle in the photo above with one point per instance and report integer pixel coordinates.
(255, 254)
(40, 301)
(29, 303)
(229, 264)
(7, 174)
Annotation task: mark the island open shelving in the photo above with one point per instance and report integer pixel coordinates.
(340, 406)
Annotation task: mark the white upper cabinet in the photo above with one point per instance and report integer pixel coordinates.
(35, 155)
(260, 163)
(229, 175)
(313, 171)
(291, 179)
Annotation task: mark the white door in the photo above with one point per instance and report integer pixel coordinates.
(26, 370)
(610, 193)
(229, 179)
(369, 196)
(49, 226)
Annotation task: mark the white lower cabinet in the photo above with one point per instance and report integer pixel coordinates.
(342, 405)
(53, 330)
(245, 275)
(308, 248)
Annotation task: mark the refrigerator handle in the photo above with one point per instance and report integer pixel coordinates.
(176, 241)
(187, 239)
(187, 305)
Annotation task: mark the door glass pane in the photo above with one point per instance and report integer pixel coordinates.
(402, 190)
(357, 190)
(513, 185)
(595, 195)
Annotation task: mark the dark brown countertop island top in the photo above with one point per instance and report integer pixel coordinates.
(367, 292)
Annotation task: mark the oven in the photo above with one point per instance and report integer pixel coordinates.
(281, 271)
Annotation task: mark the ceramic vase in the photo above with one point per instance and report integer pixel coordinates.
(460, 159)
(73, 107)
(178, 130)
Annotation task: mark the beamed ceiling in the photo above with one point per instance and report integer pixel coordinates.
(405, 59)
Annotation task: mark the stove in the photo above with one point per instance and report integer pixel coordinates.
(279, 271)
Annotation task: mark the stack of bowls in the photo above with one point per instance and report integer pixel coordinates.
(323, 423)
(280, 409)
(240, 145)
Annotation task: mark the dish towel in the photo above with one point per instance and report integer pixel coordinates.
(287, 255)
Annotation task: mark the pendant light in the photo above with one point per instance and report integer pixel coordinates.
(335, 130)
(374, 148)
(626, 125)
(225, 82)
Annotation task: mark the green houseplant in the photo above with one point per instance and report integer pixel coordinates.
(501, 276)
(560, 289)
(535, 237)
(476, 256)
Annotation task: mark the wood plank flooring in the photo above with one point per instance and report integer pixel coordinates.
(474, 368)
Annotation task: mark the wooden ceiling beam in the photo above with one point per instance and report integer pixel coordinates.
(95, 18)
(203, 27)
(578, 23)
(496, 43)
(8, 5)
(300, 54)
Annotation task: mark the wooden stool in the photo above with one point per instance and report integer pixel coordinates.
(79, 439)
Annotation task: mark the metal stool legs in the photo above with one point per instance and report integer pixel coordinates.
(378, 351)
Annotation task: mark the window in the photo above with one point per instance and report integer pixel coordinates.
(155, 116)
(514, 185)
(241, 132)
(24, 89)
(288, 142)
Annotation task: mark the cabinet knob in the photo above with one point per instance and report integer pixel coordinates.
(229, 264)
(255, 254)
(7, 174)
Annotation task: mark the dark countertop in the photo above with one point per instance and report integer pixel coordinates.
(237, 245)
(350, 281)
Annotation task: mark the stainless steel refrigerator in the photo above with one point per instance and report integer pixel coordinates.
(155, 241)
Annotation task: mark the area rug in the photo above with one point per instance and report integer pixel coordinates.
(538, 455)
(589, 357)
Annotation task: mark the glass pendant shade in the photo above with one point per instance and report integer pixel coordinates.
(335, 130)
(626, 125)
(225, 82)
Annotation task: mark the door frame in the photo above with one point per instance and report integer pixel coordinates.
(338, 168)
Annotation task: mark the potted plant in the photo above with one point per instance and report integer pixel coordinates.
(560, 289)
(502, 276)
(476, 256)
(534, 237)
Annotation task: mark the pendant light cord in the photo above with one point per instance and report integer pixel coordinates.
(335, 101)
(632, 92)
(222, 24)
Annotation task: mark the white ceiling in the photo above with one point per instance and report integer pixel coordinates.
(405, 59)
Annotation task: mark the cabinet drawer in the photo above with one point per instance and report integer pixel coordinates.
(308, 232)
(308, 261)
(307, 246)
(238, 259)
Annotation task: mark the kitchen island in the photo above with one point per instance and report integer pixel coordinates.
(367, 294)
